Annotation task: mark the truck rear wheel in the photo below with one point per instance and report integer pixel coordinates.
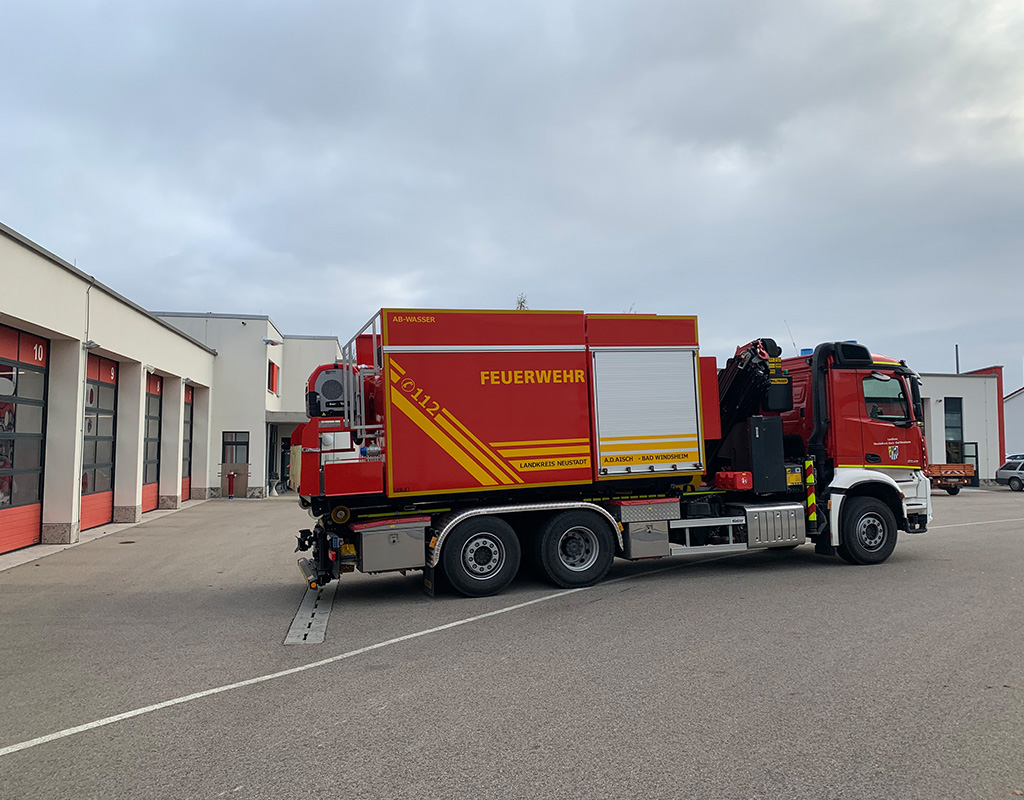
(868, 533)
(953, 489)
(481, 556)
(575, 548)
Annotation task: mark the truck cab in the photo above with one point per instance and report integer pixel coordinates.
(859, 417)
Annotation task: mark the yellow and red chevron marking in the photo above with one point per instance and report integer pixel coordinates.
(448, 432)
(812, 507)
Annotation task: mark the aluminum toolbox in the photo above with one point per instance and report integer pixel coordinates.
(644, 510)
(646, 539)
(392, 544)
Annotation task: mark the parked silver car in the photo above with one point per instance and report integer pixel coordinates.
(1011, 474)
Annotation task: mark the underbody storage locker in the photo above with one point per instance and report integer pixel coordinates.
(645, 525)
(646, 394)
(392, 544)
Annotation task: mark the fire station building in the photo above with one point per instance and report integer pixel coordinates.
(108, 411)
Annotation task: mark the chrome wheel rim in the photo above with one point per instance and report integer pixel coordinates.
(871, 532)
(482, 556)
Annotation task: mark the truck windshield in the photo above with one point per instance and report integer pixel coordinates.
(885, 400)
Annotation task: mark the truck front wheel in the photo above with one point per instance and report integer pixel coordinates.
(481, 556)
(575, 548)
(868, 531)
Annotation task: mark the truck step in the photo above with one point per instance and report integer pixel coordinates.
(680, 549)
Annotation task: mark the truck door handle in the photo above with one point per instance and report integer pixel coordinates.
(872, 458)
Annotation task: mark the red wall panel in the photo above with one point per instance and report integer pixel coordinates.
(709, 408)
(486, 421)
(33, 350)
(150, 496)
(97, 509)
(641, 330)
(419, 327)
(19, 527)
(8, 343)
(108, 371)
(186, 488)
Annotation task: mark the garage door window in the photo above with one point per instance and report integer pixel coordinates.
(21, 433)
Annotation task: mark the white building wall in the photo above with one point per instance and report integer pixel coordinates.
(303, 354)
(44, 295)
(981, 407)
(1013, 420)
(245, 345)
(239, 403)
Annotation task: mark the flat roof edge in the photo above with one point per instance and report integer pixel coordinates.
(958, 375)
(39, 250)
(317, 338)
(213, 315)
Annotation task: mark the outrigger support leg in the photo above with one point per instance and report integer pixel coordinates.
(319, 570)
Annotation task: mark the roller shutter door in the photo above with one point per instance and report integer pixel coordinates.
(151, 452)
(23, 374)
(186, 446)
(98, 442)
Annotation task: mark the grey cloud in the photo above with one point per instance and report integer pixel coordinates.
(851, 167)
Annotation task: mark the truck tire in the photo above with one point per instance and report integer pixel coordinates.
(575, 548)
(1016, 485)
(868, 531)
(481, 556)
(953, 489)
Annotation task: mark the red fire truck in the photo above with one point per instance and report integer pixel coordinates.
(463, 442)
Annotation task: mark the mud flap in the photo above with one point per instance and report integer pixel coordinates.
(429, 581)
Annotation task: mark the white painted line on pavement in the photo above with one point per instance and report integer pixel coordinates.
(188, 698)
(310, 623)
(983, 522)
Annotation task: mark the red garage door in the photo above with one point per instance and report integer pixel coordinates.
(186, 447)
(23, 360)
(151, 468)
(98, 442)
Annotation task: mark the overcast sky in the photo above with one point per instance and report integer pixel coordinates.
(852, 168)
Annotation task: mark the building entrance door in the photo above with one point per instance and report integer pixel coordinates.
(970, 455)
(234, 465)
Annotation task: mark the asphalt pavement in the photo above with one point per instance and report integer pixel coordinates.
(151, 663)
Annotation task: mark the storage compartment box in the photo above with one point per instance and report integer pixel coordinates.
(646, 539)
(392, 544)
(644, 510)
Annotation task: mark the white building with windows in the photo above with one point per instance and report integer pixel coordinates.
(108, 411)
(964, 419)
(263, 374)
